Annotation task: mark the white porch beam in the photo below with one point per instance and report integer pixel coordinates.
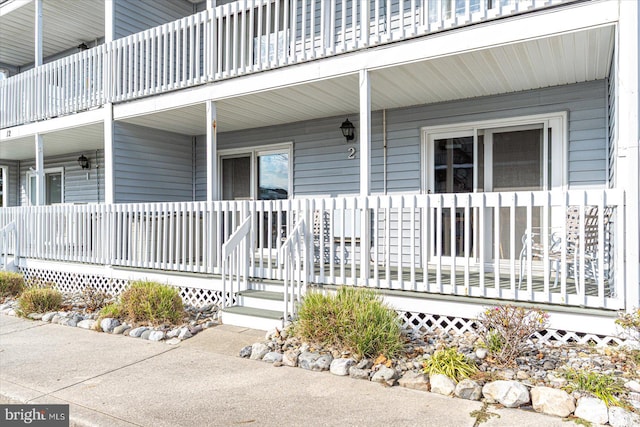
(365, 133)
(39, 148)
(109, 175)
(109, 20)
(628, 155)
(37, 36)
(212, 149)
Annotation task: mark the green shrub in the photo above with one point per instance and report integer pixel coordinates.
(147, 301)
(353, 319)
(39, 300)
(449, 362)
(11, 284)
(505, 330)
(602, 386)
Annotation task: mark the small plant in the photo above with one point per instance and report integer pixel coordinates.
(93, 298)
(11, 284)
(147, 301)
(39, 300)
(602, 386)
(353, 319)
(449, 362)
(505, 330)
(630, 323)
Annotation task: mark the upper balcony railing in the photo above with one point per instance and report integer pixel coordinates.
(239, 38)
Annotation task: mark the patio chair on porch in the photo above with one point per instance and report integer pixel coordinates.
(571, 245)
(322, 226)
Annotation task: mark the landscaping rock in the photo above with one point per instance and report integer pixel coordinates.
(620, 417)
(290, 358)
(633, 386)
(258, 350)
(121, 329)
(86, 324)
(414, 380)
(107, 324)
(35, 316)
(136, 332)
(156, 336)
(482, 353)
(359, 374)
(552, 401)
(341, 366)
(442, 384)
(511, 394)
(385, 375)
(468, 389)
(173, 333)
(48, 316)
(364, 364)
(272, 357)
(592, 409)
(245, 352)
(185, 333)
(314, 361)
(146, 334)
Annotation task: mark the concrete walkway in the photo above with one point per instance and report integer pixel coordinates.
(119, 381)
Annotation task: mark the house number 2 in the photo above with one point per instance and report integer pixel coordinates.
(352, 153)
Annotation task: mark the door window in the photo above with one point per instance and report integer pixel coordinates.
(4, 182)
(53, 186)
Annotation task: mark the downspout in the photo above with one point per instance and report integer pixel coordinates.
(384, 152)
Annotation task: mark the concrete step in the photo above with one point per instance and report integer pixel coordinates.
(267, 300)
(249, 317)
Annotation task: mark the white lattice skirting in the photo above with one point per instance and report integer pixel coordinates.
(71, 282)
(458, 325)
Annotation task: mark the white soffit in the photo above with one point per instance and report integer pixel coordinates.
(66, 24)
(553, 61)
(70, 140)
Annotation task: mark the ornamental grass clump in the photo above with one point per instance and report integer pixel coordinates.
(604, 387)
(630, 324)
(151, 302)
(505, 330)
(39, 300)
(449, 362)
(11, 284)
(355, 320)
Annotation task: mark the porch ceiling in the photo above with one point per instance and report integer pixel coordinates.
(551, 61)
(17, 27)
(90, 137)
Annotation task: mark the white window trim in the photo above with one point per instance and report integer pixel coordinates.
(254, 152)
(4, 170)
(560, 144)
(31, 173)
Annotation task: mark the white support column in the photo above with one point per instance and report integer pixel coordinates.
(628, 132)
(211, 4)
(212, 152)
(40, 200)
(365, 133)
(109, 174)
(365, 173)
(109, 21)
(37, 36)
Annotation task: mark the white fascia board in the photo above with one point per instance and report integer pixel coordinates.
(13, 5)
(518, 29)
(53, 125)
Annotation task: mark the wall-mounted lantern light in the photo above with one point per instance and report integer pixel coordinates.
(84, 162)
(83, 46)
(348, 130)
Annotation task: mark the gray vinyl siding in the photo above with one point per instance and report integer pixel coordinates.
(77, 187)
(200, 162)
(321, 166)
(151, 165)
(11, 185)
(132, 16)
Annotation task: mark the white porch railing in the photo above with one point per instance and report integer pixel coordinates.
(295, 275)
(242, 37)
(235, 261)
(8, 235)
(456, 244)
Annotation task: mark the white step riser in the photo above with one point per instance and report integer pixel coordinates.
(266, 304)
(252, 322)
(270, 287)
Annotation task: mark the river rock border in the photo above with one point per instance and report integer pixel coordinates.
(535, 383)
(199, 318)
